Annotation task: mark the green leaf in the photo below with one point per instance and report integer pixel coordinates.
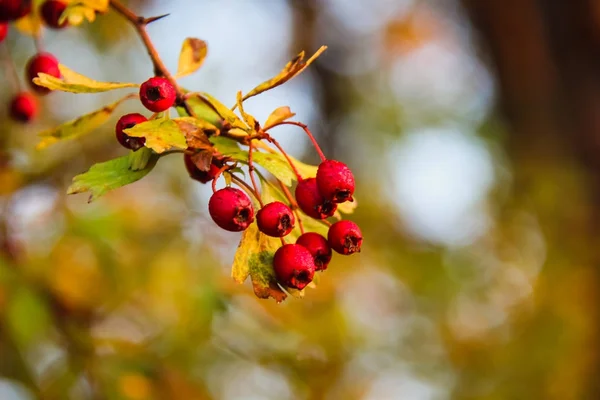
(79, 126)
(138, 160)
(74, 82)
(202, 110)
(249, 119)
(225, 145)
(291, 69)
(110, 175)
(276, 165)
(277, 116)
(161, 134)
(192, 55)
(254, 258)
(225, 113)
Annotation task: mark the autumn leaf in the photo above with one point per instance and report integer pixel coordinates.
(277, 116)
(79, 126)
(160, 134)
(192, 55)
(79, 11)
(110, 175)
(226, 113)
(291, 70)
(249, 119)
(74, 82)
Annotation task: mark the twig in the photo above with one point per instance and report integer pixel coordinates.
(251, 173)
(308, 133)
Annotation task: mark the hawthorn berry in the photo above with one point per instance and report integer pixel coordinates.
(157, 94)
(231, 209)
(312, 202)
(275, 219)
(335, 181)
(41, 63)
(3, 31)
(199, 175)
(294, 266)
(11, 10)
(129, 121)
(345, 237)
(318, 247)
(51, 11)
(23, 107)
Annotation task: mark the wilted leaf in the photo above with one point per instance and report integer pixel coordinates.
(79, 126)
(277, 116)
(74, 82)
(193, 53)
(160, 134)
(203, 159)
(249, 119)
(291, 69)
(196, 132)
(110, 175)
(225, 112)
(254, 257)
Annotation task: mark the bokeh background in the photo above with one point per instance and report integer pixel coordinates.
(473, 128)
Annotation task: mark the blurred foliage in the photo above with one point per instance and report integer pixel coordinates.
(131, 297)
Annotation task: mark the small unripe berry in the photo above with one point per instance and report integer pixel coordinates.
(231, 209)
(318, 247)
(23, 107)
(312, 202)
(275, 219)
(157, 94)
(294, 266)
(3, 31)
(345, 237)
(51, 11)
(11, 10)
(129, 121)
(41, 63)
(335, 181)
(199, 175)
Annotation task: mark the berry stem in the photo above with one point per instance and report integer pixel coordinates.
(308, 133)
(276, 144)
(251, 172)
(140, 23)
(10, 62)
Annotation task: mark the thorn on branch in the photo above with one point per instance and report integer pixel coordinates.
(153, 19)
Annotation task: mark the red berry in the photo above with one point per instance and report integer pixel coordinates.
(157, 94)
(199, 175)
(318, 247)
(312, 202)
(275, 219)
(3, 31)
(11, 10)
(294, 266)
(231, 209)
(345, 237)
(335, 181)
(42, 63)
(129, 121)
(51, 11)
(23, 107)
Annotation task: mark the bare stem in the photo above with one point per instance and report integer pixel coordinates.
(140, 23)
(308, 133)
(251, 173)
(283, 152)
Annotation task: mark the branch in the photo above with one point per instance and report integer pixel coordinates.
(140, 23)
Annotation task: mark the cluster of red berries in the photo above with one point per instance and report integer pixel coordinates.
(294, 264)
(23, 106)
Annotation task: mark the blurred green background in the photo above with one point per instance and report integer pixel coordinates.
(473, 128)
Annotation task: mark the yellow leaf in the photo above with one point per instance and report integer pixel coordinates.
(224, 112)
(277, 116)
(191, 58)
(291, 69)
(247, 117)
(80, 10)
(74, 82)
(79, 126)
(160, 134)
